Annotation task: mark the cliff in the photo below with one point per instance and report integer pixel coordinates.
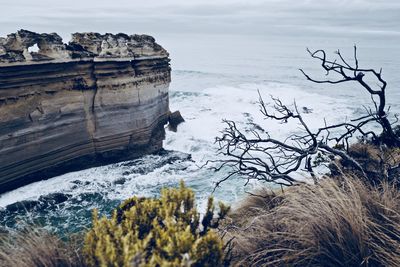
(64, 107)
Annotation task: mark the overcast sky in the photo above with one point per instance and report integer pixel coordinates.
(255, 17)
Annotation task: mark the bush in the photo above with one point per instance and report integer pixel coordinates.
(157, 232)
(380, 163)
(346, 223)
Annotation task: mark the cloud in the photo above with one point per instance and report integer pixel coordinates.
(199, 16)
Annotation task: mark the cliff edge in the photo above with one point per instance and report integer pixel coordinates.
(64, 107)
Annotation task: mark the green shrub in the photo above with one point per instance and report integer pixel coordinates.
(157, 232)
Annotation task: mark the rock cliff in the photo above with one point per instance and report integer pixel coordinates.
(63, 107)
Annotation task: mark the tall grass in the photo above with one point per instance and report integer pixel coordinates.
(344, 223)
(35, 247)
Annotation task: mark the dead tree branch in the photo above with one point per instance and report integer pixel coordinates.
(267, 159)
(259, 156)
(346, 72)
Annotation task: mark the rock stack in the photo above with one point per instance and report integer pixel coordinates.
(101, 98)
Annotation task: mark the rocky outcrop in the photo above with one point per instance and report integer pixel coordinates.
(63, 107)
(174, 119)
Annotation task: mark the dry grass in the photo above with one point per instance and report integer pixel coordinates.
(255, 204)
(331, 224)
(35, 247)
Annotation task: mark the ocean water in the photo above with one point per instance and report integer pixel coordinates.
(214, 77)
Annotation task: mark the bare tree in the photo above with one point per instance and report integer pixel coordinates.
(345, 72)
(259, 156)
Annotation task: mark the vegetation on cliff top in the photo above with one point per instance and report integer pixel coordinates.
(336, 223)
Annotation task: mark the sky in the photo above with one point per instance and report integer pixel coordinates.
(234, 17)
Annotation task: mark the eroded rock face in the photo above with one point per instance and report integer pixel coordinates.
(16, 47)
(97, 99)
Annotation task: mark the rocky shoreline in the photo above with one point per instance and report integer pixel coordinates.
(64, 107)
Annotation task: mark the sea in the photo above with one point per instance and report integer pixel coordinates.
(215, 76)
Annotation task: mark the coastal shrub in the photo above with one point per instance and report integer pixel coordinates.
(334, 223)
(379, 163)
(157, 232)
(36, 247)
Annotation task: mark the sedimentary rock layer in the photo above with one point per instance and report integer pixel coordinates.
(97, 99)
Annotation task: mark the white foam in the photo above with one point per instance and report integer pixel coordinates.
(203, 112)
